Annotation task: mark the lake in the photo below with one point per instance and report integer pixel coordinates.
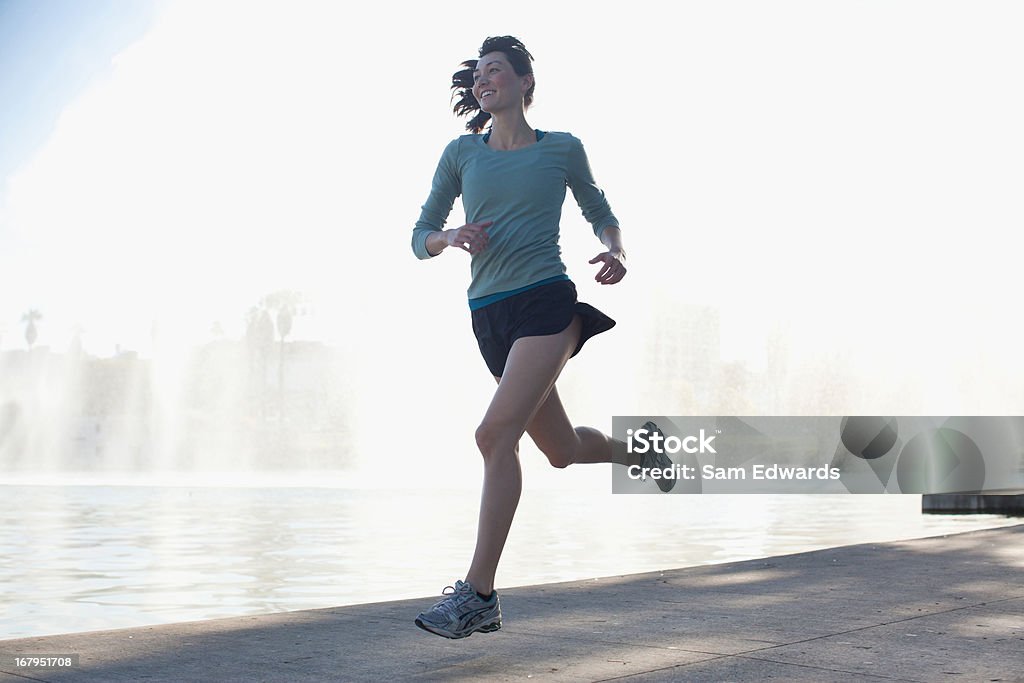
(83, 557)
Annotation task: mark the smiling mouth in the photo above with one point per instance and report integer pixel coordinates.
(486, 93)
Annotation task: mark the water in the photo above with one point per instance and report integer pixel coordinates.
(90, 557)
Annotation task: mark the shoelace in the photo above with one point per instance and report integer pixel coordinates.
(452, 601)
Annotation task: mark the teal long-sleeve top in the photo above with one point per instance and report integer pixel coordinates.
(522, 192)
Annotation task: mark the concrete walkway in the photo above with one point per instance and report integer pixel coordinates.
(924, 610)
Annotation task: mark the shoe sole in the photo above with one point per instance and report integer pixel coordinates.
(663, 461)
(665, 485)
(483, 628)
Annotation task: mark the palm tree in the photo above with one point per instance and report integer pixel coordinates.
(286, 304)
(259, 338)
(30, 331)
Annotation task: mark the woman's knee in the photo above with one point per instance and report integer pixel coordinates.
(493, 439)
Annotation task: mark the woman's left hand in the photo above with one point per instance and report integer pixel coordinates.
(614, 268)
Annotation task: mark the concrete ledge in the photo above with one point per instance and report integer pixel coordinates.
(973, 503)
(921, 610)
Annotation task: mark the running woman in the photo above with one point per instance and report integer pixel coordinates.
(524, 311)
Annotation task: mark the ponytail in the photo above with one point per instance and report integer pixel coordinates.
(462, 87)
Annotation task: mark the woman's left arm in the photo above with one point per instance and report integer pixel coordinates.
(595, 208)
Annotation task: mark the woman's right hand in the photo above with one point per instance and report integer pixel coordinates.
(470, 237)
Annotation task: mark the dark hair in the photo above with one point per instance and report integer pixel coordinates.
(462, 81)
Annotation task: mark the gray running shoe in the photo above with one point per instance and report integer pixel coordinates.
(659, 460)
(461, 613)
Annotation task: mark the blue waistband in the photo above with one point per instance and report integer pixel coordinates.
(482, 301)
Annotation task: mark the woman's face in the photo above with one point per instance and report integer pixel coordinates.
(496, 85)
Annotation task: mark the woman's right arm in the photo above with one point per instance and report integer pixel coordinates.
(471, 237)
(428, 238)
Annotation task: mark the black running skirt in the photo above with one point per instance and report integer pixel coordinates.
(540, 311)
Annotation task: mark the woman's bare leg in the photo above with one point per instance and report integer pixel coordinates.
(564, 444)
(532, 367)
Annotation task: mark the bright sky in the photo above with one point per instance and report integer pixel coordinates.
(850, 168)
